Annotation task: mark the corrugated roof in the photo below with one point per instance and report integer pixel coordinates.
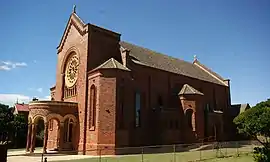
(160, 61)
(22, 107)
(187, 89)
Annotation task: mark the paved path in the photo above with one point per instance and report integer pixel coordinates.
(49, 158)
(22, 156)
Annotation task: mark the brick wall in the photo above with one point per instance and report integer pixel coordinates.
(153, 83)
(95, 47)
(52, 135)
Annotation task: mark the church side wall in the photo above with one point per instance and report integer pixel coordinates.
(162, 126)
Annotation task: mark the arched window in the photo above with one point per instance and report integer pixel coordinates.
(92, 121)
(188, 114)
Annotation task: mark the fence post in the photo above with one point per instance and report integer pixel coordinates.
(174, 156)
(42, 157)
(100, 155)
(200, 154)
(142, 154)
(237, 149)
(226, 148)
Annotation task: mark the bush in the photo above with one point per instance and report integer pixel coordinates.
(261, 154)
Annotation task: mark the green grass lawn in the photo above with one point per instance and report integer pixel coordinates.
(207, 155)
(243, 158)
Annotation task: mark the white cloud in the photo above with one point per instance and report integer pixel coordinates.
(46, 98)
(11, 99)
(8, 65)
(40, 90)
(4, 67)
(35, 61)
(20, 64)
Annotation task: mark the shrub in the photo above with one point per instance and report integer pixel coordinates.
(261, 154)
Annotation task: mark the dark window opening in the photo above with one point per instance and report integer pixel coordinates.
(176, 124)
(189, 114)
(160, 102)
(138, 109)
(92, 110)
(68, 129)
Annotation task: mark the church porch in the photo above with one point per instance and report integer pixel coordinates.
(60, 124)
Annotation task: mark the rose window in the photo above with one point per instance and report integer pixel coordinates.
(71, 73)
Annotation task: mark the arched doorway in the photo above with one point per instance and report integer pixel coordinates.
(69, 132)
(39, 132)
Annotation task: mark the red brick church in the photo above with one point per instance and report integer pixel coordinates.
(111, 94)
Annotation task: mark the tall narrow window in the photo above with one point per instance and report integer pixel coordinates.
(70, 130)
(138, 109)
(160, 102)
(121, 106)
(189, 114)
(51, 124)
(215, 100)
(92, 107)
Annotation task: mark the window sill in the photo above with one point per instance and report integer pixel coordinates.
(92, 128)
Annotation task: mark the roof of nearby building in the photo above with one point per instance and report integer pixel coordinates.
(53, 87)
(22, 107)
(112, 64)
(160, 61)
(187, 89)
(239, 108)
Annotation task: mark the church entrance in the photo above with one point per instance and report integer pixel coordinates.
(68, 134)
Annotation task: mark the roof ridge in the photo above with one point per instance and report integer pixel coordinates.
(114, 64)
(186, 87)
(209, 70)
(111, 63)
(192, 89)
(156, 52)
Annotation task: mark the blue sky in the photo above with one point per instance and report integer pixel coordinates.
(231, 37)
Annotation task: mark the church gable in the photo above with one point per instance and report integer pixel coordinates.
(76, 23)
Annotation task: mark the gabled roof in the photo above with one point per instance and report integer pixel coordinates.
(238, 108)
(160, 61)
(211, 72)
(147, 57)
(77, 23)
(112, 64)
(187, 90)
(22, 107)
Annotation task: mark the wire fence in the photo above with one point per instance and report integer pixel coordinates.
(173, 153)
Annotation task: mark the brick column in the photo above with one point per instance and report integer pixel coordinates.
(45, 140)
(33, 138)
(29, 132)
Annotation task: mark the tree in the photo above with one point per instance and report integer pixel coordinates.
(6, 117)
(12, 128)
(255, 123)
(19, 127)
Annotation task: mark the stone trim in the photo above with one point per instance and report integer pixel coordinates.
(52, 103)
